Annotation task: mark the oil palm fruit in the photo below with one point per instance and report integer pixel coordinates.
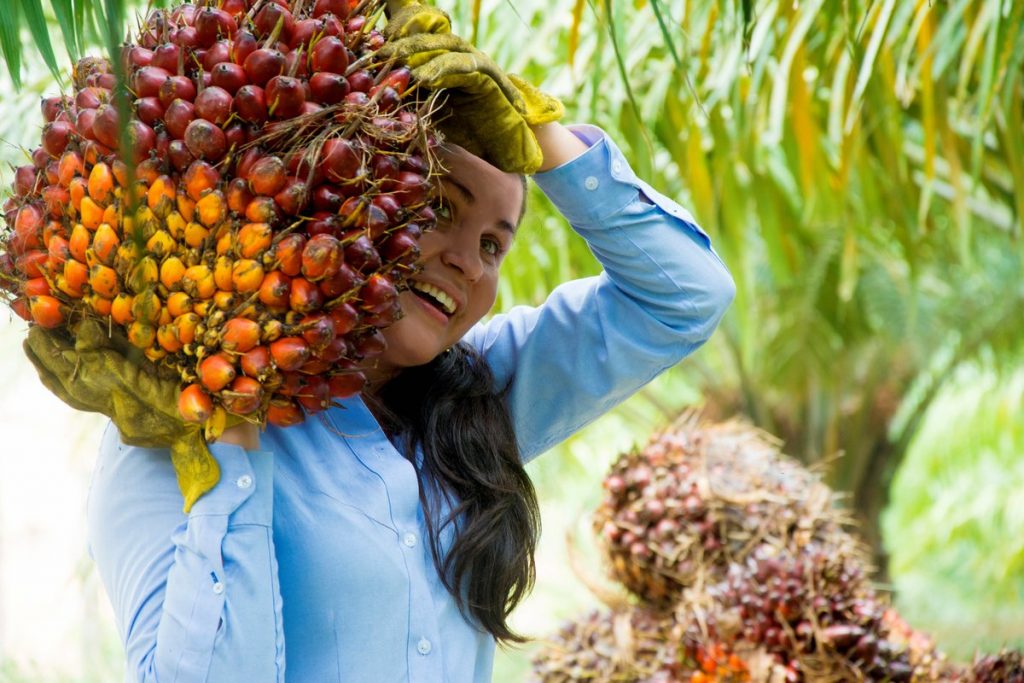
(216, 238)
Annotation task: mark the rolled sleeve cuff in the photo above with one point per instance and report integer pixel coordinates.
(245, 489)
(599, 184)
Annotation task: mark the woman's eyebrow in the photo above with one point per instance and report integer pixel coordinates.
(467, 196)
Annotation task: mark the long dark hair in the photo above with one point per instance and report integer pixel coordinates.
(452, 411)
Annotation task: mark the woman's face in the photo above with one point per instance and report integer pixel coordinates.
(458, 282)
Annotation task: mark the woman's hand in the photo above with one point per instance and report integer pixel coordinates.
(558, 145)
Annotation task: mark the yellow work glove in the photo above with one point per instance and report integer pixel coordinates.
(96, 373)
(488, 112)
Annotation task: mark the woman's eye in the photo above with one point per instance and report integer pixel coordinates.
(443, 211)
(491, 247)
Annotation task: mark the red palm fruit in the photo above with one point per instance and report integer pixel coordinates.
(378, 294)
(292, 199)
(357, 98)
(137, 57)
(166, 56)
(267, 176)
(262, 210)
(32, 263)
(214, 105)
(25, 178)
(400, 245)
(346, 384)
(229, 76)
(178, 115)
(263, 64)
(328, 88)
(272, 16)
(333, 352)
(246, 275)
(36, 286)
(385, 167)
(52, 106)
(50, 172)
(236, 8)
(199, 178)
(251, 104)
(141, 141)
(27, 228)
(361, 254)
(345, 318)
(411, 188)
(56, 199)
(185, 37)
(338, 8)
(149, 110)
(92, 97)
(284, 413)
(216, 371)
(345, 280)
(238, 195)
(106, 126)
(275, 290)
(254, 239)
(285, 97)
(212, 24)
(206, 140)
(240, 335)
(147, 81)
(296, 64)
(317, 330)
(305, 297)
(386, 97)
(243, 397)
(324, 223)
(21, 308)
(370, 345)
(194, 404)
(398, 79)
(289, 353)
(360, 81)
(84, 121)
(327, 197)
(56, 136)
(179, 156)
(377, 221)
(355, 24)
(329, 54)
(304, 31)
(315, 394)
(242, 46)
(247, 160)
(340, 160)
(148, 171)
(237, 134)
(59, 252)
(321, 257)
(176, 87)
(288, 253)
(255, 362)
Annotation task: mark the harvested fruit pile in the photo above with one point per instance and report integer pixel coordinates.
(251, 227)
(742, 568)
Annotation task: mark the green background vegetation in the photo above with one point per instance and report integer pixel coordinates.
(860, 167)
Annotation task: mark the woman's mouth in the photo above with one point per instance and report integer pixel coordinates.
(434, 297)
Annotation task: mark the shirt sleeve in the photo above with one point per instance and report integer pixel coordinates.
(595, 341)
(196, 597)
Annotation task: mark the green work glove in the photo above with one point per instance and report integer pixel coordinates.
(96, 374)
(488, 112)
(407, 17)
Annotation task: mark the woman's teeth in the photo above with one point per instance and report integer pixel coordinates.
(447, 303)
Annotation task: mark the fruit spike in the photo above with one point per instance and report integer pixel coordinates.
(276, 168)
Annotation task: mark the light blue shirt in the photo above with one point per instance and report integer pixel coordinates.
(317, 539)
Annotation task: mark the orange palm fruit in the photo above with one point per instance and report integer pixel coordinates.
(275, 290)
(240, 335)
(76, 275)
(171, 271)
(70, 167)
(284, 413)
(111, 215)
(128, 254)
(161, 244)
(202, 307)
(262, 210)
(78, 188)
(305, 296)
(222, 269)
(198, 282)
(100, 304)
(238, 195)
(255, 363)
(105, 243)
(167, 338)
(154, 353)
(225, 300)
(186, 325)
(121, 309)
(225, 242)
(212, 208)
(146, 307)
(186, 206)
(161, 196)
(45, 310)
(103, 280)
(194, 404)
(36, 286)
(195, 234)
(246, 275)
(268, 176)
(216, 371)
(101, 184)
(200, 177)
(59, 251)
(289, 353)
(148, 171)
(175, 224)
(91, 213)
(179, 303)
(243, 396)
(289, 254)
(254, 239)
(120, 171)
(53, 229)
(165, 317)
(141, 335)
(144, 274)
(271, 330)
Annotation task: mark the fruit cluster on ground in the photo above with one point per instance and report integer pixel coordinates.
(251, 226)
(740, 566)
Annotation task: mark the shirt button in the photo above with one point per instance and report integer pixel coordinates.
(590, 183)
(423, 647)
(218, 587)
(244, 481)
(410, 540)
(616, 166)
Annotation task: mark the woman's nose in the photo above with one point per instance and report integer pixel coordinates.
(461, 252)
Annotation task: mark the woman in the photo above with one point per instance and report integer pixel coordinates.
(389, 540)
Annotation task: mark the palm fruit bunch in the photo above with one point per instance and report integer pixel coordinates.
(695, 499)
(1005, 667)
(252, 233)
